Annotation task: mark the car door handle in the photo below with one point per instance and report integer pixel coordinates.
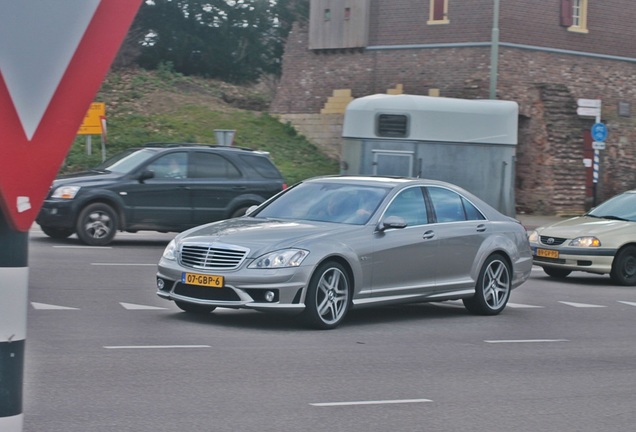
(428, 235)
(481, 228)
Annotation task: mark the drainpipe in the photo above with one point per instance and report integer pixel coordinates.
(494, 51)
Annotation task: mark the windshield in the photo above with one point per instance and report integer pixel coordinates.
(621, 207)
(326, 202)
(125, 162)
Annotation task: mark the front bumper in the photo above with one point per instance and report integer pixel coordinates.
(243, 289)
(57, 214)
(593, 260)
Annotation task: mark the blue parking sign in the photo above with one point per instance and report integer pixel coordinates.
(599, 132)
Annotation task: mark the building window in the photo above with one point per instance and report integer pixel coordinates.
(438, 12)
(574, 15)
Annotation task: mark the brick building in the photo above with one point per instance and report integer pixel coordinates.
(550, 54)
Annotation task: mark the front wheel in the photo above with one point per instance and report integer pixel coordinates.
(97, 224)
(493, 287)
(556, 272)
(57, 233)
(624, 267)
(328, 296)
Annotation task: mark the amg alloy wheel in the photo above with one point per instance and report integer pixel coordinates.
(328, 296)
(493, 287)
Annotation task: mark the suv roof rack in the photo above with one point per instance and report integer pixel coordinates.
(176, 144)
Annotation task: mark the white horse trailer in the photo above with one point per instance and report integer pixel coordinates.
(470, 143)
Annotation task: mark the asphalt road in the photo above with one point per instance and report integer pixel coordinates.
(104, 353)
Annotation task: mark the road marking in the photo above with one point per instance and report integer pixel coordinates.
(378, 402)
(132, 306)
(44, 306)
(155, 346)
(627, 303)
(525, 341)
(521, 306)
(124, 264)
(82, 247)
(581, 305)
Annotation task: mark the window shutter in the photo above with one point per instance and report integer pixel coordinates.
(566, 13)
(438, 10)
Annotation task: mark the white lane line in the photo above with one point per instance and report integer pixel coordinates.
(44, 306)
(581, 305)
(525, 341)
(132, 306)
(124, 264)
(522, 306)
(378, 402)
(82, 247)
(627, 303)
(155, 346)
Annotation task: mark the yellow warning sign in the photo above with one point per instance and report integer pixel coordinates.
(92, 124)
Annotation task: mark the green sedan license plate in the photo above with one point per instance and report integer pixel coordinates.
(212, 281)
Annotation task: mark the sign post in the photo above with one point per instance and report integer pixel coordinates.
(43, 97)
(592, 108)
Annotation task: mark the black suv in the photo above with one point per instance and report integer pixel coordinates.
(159, 187)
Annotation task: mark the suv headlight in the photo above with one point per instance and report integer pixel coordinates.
(280, 259)
(65, 192)
(588, 241)
(170, 252)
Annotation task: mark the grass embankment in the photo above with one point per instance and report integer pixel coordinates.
(143, 107)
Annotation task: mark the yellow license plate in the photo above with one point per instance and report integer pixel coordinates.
(547, 253)
(202, 280)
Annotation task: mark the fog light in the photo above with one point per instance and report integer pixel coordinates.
(269, 296)
(160, 283)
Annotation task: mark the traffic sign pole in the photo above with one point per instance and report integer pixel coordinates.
(13, 292)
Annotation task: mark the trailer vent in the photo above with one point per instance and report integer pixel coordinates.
(393, 125)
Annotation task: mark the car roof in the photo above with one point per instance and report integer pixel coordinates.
(386, 181)
(174, 145)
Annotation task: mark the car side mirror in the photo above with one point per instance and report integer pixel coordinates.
(145, 175)
(250, 209)
(395, 222)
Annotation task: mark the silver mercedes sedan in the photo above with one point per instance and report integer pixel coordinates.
(329, 244)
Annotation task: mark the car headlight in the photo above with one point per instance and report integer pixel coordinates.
(533, 237)
(280, 259)
(170, 252)
(65, 192)
(585, 242)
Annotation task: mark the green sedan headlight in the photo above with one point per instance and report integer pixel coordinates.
(170, 252)
(280, 259)
(588, 241)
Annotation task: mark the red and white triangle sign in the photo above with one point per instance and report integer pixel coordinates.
(54, 56)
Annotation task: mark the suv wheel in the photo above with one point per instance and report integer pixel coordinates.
(57, 233)
(97, 224)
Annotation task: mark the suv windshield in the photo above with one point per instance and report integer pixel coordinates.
(126, 161)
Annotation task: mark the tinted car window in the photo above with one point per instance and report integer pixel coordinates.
(447, 204)
(262, 165)
(126, 161)
(172, 165)
(410, 206)
(209, 165)
(472, 213)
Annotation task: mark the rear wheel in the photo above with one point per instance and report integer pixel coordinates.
(57, 233)
(556, 272)
(97, 224)
(624, 267)
(328, 296)
(493, 287)
(194, 308)
(239, 212)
